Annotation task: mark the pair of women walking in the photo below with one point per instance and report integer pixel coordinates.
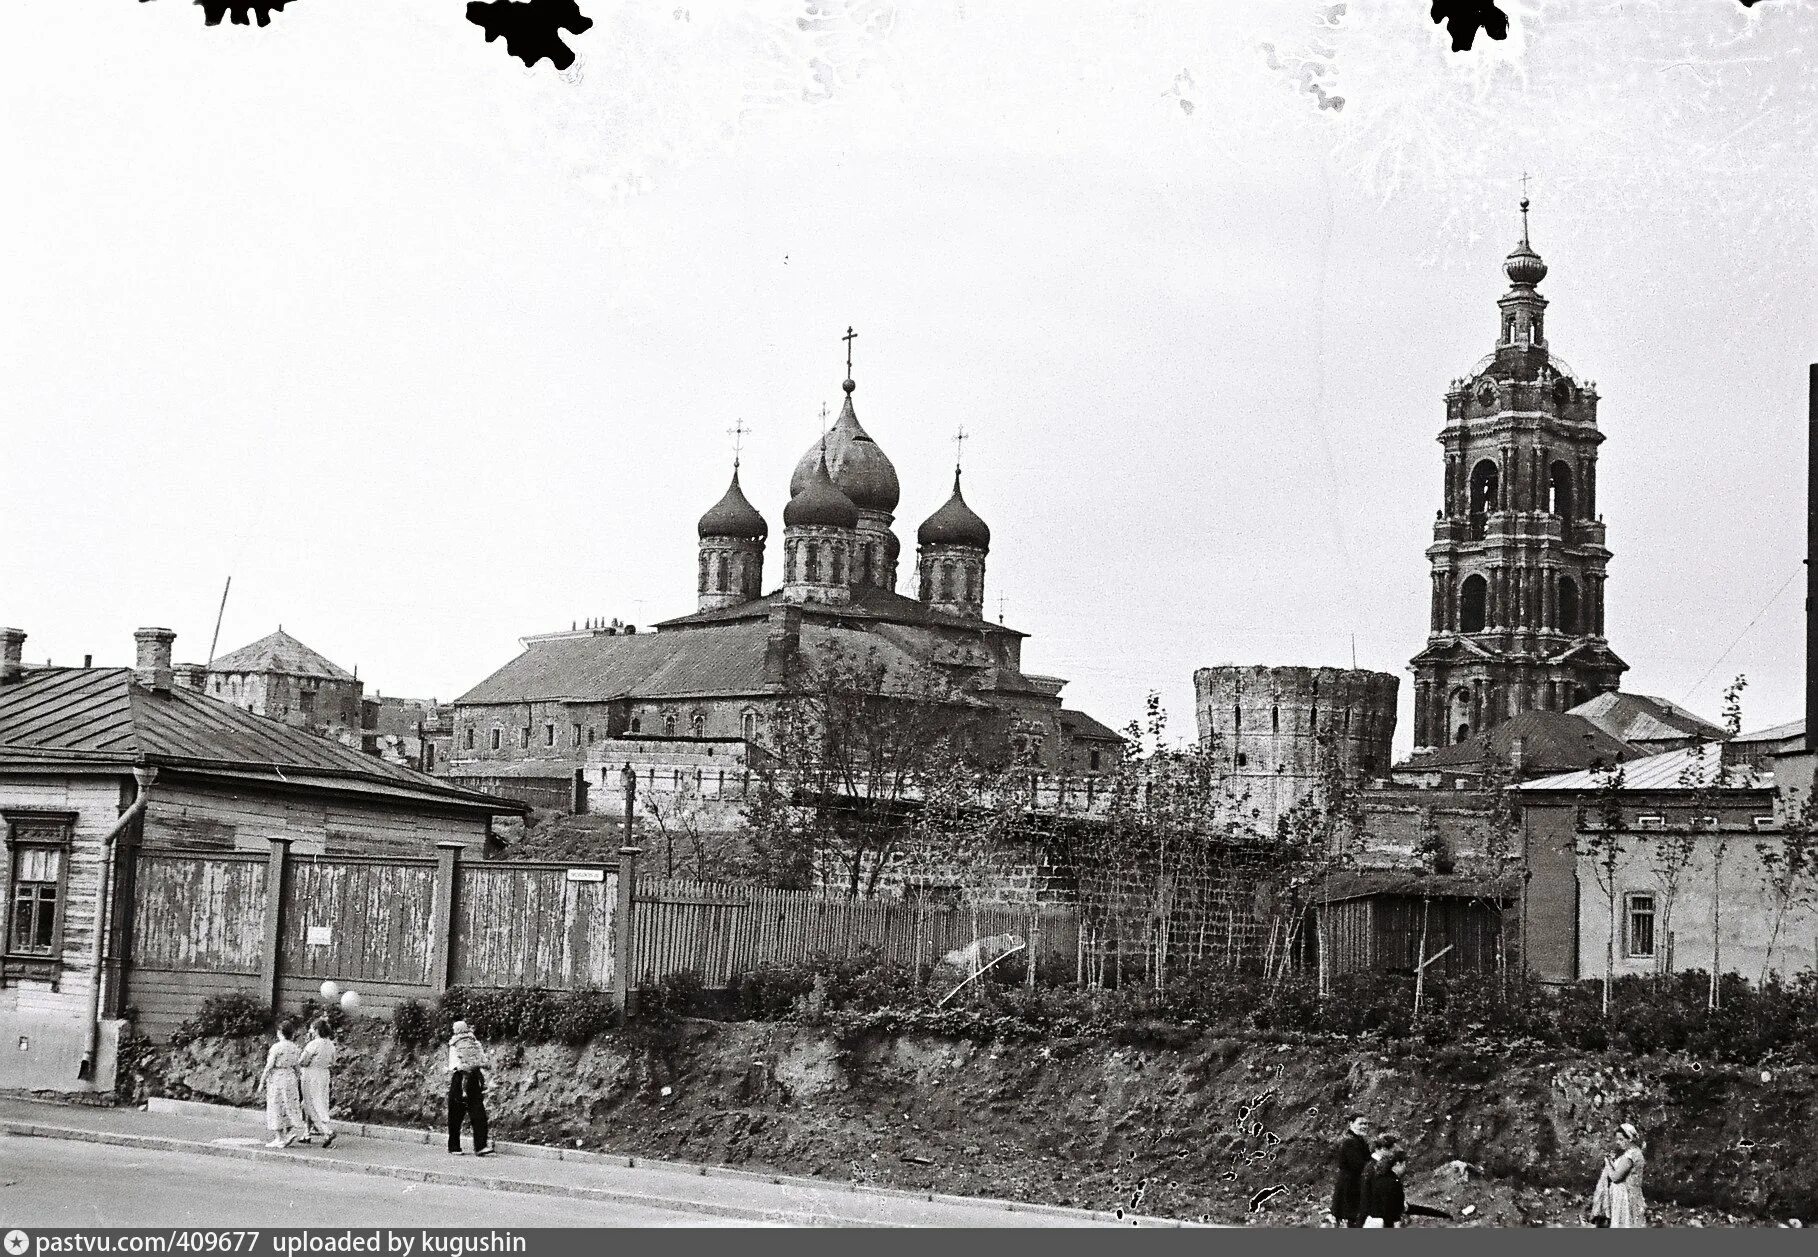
(295, 1082)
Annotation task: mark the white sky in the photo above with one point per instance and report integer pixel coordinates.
(431, 351)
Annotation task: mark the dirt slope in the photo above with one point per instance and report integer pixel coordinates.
(1222, 1129)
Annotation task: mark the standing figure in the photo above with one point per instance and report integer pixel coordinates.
(1385, 1203)
(1353, 1156)
(283, 1097)
(1627, 1207)
(318, 1059)
(467, 1089)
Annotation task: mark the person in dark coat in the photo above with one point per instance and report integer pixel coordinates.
(1385, 1203)
(1353, 1157)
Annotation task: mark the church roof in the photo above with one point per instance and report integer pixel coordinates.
(1683, 769)
(954, 524)
(282, 653)
(1552, 741)
(1643, 718)
(859, 467)
(733, 515)
(868, 603)
(73, 716)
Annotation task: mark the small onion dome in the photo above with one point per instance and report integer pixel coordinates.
(1524, 266)
(955, 524)
(862, 471)
(819, 501)
(734, 516)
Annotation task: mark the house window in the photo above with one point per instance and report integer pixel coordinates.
(470, 737)
(590, 735)
(548, 735)
(669, 726)
(635, 724)
(38, 859)
(495, 739)
(748, 726)
(1095, 760)
(699, 725)
(1640, 918)
(524, 738)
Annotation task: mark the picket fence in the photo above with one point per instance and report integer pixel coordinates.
(721, 930)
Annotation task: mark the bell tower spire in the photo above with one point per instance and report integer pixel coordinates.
(1518, 556)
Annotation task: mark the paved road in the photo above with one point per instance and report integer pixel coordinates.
(51, 1183)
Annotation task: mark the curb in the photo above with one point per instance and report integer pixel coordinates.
(607, 1195)
(550, 1152)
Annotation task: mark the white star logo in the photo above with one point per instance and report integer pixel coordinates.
(17, 1242)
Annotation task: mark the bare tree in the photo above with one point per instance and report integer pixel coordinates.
(1789, 870)
(1603, 844)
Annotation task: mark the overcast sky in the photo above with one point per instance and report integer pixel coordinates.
(431, 351)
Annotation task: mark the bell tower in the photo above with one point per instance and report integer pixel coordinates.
(1518, 552)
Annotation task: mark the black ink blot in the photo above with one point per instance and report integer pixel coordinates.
(242, 14)
(531, 28)
(1464, 18)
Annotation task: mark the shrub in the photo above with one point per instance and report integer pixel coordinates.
(412, 1024)
(232, 1016)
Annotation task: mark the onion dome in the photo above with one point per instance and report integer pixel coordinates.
(1524, 267)
(734, 516)
(820, 502)
(955, 524)
(859, 468)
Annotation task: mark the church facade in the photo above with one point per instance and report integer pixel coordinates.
(1518, 556)
(704, 689)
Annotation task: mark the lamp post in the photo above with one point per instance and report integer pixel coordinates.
(629, 778)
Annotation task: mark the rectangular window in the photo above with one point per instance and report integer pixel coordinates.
(37, 858)
(1650, 822)
(524, 738)
(577, 735)
(470, 737)
(495, 739)
(548, 735)
(589, 735)
(1640, 916)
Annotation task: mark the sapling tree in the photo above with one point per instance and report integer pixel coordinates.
(1602, 842)
(1789, 869)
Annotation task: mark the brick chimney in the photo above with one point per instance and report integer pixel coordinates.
(12, 655)
(153, 669)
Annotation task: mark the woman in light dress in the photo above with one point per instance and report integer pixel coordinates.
(317, 1060)
(282, 1087)
(1618, 1201)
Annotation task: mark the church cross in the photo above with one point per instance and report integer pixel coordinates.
(737, 432)
(959, 446)
(849, 337)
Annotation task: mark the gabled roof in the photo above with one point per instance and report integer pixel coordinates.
(280, 652)
(1552, 741)
(1084, 728)
(64, 716)
(1644, 718)
(1681, 769)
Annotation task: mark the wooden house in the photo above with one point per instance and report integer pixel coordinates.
(1390, 920)
(98, 761)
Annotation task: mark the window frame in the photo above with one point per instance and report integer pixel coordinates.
(47, 965)
(1629, 913)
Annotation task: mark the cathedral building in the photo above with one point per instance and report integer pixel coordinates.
(692, 702)
(1518, 555)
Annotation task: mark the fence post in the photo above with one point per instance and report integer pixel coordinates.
(276, 865)
(441, 915)
(622, 958)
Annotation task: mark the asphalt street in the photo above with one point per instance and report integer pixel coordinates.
(53, 1183)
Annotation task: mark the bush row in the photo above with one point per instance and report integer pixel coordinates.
(1776, 1022)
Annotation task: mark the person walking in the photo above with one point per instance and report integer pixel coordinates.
(316, 1061)
(1386, 1203)
(467, 1089)
(283, 1096)
(1627, 1208)
(1353, 1155)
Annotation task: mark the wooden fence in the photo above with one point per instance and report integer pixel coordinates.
(723, 930)
(402, 928)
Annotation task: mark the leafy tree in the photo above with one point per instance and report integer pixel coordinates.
(1789, 869)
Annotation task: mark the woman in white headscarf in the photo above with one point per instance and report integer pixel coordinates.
(1627, 1207)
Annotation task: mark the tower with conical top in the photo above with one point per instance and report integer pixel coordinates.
(1518, 556)
(732, 535)
(951, 547)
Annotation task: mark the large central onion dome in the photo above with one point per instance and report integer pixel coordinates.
(858, 467)
(819, 501)
(734, 516)
(955, 524)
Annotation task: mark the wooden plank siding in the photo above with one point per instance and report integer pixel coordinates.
(198, 914)
(376, 912)
(523, 924)
(1383, 933)
(722, 930)
(188, 815)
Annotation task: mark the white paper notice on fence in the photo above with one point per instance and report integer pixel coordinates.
(586, 875)
(318, 936)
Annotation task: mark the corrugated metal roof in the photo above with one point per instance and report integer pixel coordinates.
(89, 714)
(1643, 718)
(1670, 770)
(722, 659)
(1551, 740)
(280, 652)
(1779, 733)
